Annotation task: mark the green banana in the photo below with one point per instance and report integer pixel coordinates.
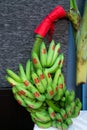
(72, 105)
(64, 126)
(36, 61)
(69, 110)
(56, 76)
(37, 82)
(55, 80)
(62, 103)
(36, 93)
(28, 69)
(59, 126)
(31, 90)
(34, 104)
(48, 77)
(56, 52)
(43, 115)
(63, 113)
(62, 61)
(76, 111)
(77, 108)
(42, 78)
(61, 89)
(56, 65)
(78, 103)
(67, 94)
(53, 105)
(50, 53)
(59, 95)
(14, 90)
(44, 125)
(13, 75)
(22, 73)
(59, 117)
(31, 67)
(18, 98)
(22, 91)
(33, 115)
(69, 121)
(54, 123)
(33, 119)
(32, 110)
(11, 81)
(52, 113)
(50, 92)
(39, 96)
(43, 54)
(72, 96)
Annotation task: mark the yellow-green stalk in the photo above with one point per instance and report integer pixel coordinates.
(80, 30)
(81, 44)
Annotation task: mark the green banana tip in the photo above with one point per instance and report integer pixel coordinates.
(20, 65)
(6, 77)
(7, 70)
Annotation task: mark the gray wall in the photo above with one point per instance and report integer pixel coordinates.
(18, 19)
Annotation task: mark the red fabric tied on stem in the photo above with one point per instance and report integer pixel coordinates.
(47, 23)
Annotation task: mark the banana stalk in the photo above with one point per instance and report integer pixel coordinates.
(81, 43)
(37, 42)
(80, 33)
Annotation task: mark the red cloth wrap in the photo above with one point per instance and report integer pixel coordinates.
(48, 22)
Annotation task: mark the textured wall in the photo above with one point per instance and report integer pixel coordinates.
(18, 19)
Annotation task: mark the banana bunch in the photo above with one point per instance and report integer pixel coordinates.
(40, 88)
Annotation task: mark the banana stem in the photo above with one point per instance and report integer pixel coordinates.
(81, 43)
(74, 15)
(73, 5)
(37, 43)
(51, 104)
(81, 72)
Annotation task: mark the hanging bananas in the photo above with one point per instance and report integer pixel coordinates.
(40, 88)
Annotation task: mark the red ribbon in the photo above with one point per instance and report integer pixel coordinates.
(47, 23)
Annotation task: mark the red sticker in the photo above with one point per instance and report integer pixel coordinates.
(49, 75)
(44, 51)
(61, 86)
(36, 80)
(12, 85)
(21, 92)
(31, 106)
(58, 50)
(51, 92)
(26, 83)
(35, 61)
(59, 62)
(42, 76)
(53, 114)
(64, 115)
(69, 112)
(36, 94)
(59, 120)
(19, 102)
(56, 88)
(53, 47)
